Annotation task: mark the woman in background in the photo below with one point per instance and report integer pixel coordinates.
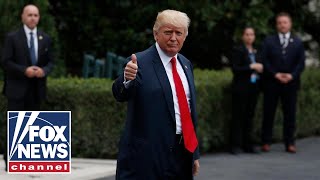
(246, 70)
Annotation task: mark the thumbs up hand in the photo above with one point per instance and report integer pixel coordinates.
(131, 69)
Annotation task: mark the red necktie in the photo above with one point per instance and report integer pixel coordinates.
(189, 135)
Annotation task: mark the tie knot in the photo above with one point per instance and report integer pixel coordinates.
(31, 33)
(173, 61)
(284, 36)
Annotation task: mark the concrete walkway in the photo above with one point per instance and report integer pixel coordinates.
(81, 169)
(275, 165)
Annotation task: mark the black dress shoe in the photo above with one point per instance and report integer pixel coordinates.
(235, 150)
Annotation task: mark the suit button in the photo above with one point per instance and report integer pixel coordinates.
(171, 148)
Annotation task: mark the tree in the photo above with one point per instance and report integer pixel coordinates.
(125, 26)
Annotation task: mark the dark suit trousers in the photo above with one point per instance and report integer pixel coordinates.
(180, 163)
(243, 110)
(288, 98)
(30, 102)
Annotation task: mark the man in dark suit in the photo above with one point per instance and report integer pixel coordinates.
(159, 140)
(283, 58)
(26, 60)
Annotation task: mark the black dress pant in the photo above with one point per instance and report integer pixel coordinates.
(243, 110)
(180, 162)
(31, 102)
(288, 97)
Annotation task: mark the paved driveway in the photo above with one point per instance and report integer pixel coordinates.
(275, 165)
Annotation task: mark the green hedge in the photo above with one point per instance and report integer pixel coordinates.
(97, 119)
(214, 109)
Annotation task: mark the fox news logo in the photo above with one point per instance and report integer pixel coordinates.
(39, 142)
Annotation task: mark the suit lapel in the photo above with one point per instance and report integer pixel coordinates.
(278, 40)
(165, 84)
(24, 44)
(164, 81)
(188, 72)
(277, 44)
(40, 44)
(246, 52)
(290, 43)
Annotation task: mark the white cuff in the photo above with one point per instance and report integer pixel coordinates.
(125, 82)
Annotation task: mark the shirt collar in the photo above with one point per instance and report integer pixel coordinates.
(28, 30)
(286, 34)
(164, 58)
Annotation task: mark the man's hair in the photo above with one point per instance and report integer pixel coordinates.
(283, 14)
(27, 5)
(172, 17)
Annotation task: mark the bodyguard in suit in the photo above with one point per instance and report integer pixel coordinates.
(159, 140)
(283, 59)
(247, 69)
(26, 60)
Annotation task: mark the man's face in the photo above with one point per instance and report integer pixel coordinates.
(30, 16)
(170, 39)
(284, 24)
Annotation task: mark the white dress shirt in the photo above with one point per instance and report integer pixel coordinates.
(35, 38)
(284, 40)
(168, 67)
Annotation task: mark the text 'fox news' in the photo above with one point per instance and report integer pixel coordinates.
(39, 142)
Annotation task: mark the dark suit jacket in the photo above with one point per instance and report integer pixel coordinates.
(241, 69)
(149, 136)
(16, 58)
(275, 61)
